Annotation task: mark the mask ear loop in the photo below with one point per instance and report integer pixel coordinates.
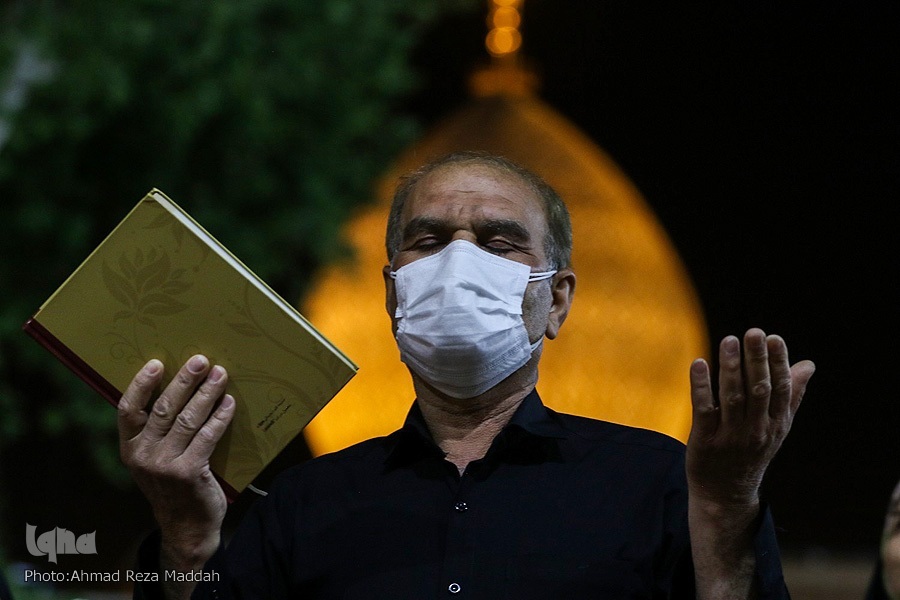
(541, 275)
(536, 276)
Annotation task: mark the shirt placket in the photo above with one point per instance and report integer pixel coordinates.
(457, 573)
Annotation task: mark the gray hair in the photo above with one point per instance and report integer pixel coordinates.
(558, 242)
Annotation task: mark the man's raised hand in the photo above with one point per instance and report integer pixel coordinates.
(734, 439)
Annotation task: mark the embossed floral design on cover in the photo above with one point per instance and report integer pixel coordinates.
(160, 286)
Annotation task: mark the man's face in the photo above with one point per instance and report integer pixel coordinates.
(489, 208)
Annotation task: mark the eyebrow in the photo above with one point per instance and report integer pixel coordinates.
(508, 227)
(420, 225)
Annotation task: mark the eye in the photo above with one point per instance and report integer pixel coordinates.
(499, 246)
(425, 243)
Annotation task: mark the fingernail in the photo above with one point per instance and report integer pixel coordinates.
(731, 344)
(698, 366)
(227, 401)
(197, 364)
(152, 367)
(216, 374)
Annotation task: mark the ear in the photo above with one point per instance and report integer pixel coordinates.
(562, 290)
(390, 295)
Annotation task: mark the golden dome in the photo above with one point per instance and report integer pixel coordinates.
(635, 326)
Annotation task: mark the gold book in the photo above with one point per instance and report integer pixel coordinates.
(160, 286)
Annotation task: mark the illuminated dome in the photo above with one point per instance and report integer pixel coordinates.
(624, 352)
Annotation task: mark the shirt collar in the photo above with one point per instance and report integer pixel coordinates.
(531, 420)
(535, 418)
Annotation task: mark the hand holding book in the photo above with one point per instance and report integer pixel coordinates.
(167, 451)
(161, 287)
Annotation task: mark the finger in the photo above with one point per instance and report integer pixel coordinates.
(196, 412)
(204, 442)
(801, 373)
(732, 401)
(757, 378)
(706, 416)
(782, 386)
(131, 415)
(175, 396)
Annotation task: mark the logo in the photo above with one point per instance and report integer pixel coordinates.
(59, 541)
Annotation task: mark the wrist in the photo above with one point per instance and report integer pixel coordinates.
(186, 552)
(736, 496)
(722, 532)
(724, 521)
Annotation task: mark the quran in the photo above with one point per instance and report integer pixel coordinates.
(160, 286)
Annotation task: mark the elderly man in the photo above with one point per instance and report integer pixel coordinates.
(484, 492)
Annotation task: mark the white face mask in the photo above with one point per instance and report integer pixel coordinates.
(459, 318)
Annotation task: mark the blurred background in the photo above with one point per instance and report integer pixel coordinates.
(764, 138)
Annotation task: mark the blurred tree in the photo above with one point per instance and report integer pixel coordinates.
(266, 119)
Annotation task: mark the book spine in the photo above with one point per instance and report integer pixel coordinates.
(49, 341)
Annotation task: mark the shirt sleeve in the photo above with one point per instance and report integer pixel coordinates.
(769, 575)
(150, 575)
(147, 563)
(254, 564)
(257, 561)
(5, 594)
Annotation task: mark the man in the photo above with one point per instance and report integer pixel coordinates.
(484, 493)
(885, 584)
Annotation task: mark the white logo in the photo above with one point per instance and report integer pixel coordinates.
(59, 541)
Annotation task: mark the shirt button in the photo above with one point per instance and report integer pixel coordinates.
(454, 588)
(461, 507)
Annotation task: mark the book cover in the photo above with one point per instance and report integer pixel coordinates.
(160, 286)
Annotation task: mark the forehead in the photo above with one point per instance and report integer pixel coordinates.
(468, 193)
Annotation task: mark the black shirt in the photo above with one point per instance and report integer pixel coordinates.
(5, 594)
(560, 507)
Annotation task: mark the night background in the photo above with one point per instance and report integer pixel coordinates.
(764, 137)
